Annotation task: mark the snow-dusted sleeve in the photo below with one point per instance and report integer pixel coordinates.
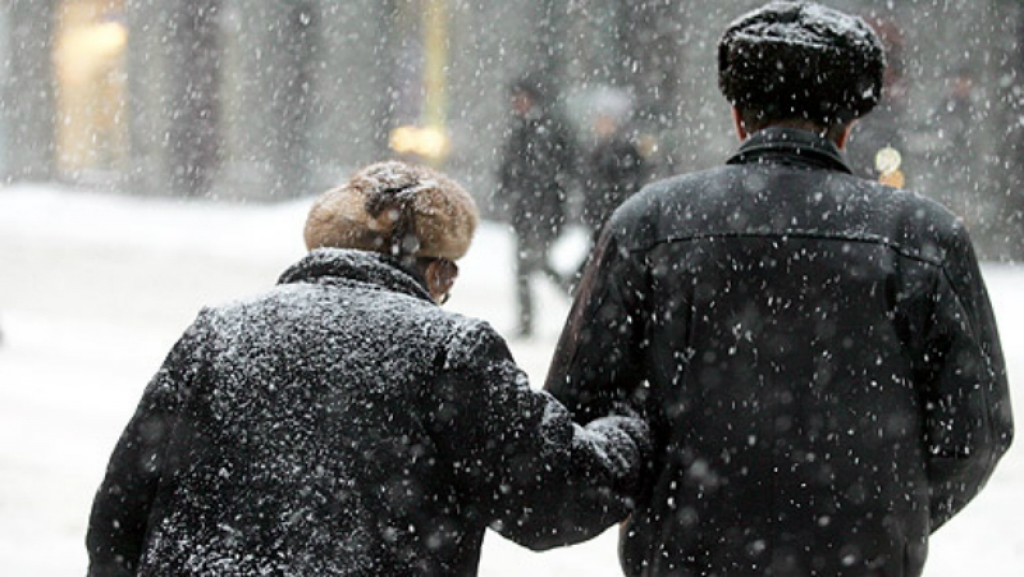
(534, 475)
(122, 505)
(969, 424)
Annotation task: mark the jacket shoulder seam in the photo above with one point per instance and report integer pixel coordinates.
(865, 239)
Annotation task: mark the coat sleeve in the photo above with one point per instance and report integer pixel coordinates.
(598, 362)
(122, 505)
(968, 420)
(528, 470)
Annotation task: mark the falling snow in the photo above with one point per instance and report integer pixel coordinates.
(98, 287)
(172, 122)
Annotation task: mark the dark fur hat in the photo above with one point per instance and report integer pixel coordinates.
(395, 208)
(801, 60)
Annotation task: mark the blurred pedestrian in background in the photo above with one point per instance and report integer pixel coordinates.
(614, 168)
(951, 155)
(538, 167)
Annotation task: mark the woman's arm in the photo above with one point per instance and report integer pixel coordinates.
(541, 479)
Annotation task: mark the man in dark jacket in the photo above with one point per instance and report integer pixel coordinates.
(343, 424)
(816, 352)
(537, 165)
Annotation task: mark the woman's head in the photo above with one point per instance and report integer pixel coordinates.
(411, 213)
(395, 208)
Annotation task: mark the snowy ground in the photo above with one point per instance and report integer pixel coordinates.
(94, 289)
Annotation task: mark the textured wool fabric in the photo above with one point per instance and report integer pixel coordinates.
(342, 424)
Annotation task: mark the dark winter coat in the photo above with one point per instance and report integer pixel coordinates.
(818, 357)
(344, 424)
(538, 164)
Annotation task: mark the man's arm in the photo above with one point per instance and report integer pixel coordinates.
(121, 508)
(599, 358)
(537, 477)
(968, 418)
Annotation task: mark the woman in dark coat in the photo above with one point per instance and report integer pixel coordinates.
(344, 424)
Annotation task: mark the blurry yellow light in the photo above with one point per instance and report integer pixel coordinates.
(895, 179)
(110, 37)
(429, 142)
(401, 139)
(84, 50)
(100, 40)
(888, 159)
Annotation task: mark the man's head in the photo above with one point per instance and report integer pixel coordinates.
(961, 82)
(412, 213)
(527, 93)
(800, 64)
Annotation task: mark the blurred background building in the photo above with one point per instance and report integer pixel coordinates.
(275, 99)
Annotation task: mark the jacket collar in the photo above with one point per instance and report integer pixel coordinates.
(791, 146)
(342, 266)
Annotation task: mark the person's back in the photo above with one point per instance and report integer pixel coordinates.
(788, 338)
(275, 436)
(537, 162)
(816, 352)
(343, 424)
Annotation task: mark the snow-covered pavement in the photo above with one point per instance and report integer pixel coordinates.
(94, 289)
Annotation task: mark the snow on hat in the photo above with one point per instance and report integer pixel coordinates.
(395, 208)
(801, 60)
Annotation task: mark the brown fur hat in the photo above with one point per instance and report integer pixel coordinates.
(395, 208)
(795, 59)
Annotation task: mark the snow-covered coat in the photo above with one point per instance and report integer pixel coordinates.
(818, 357)
(344, 424)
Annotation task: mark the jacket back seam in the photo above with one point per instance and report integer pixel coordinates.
(867, 239)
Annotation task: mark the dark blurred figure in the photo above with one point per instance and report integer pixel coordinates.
(877, 148)
(537, 167)
(615, 167)
(949, 155)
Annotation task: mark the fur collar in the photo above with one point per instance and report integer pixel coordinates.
(331, 265)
